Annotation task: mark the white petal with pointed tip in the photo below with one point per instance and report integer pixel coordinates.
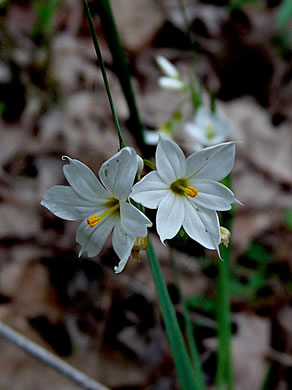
(213, 195)
(167, 68)
(214, 162)
(170, 216)
(170, 161)
(202, 225)
(171, 83)
(67, 204)
(118, 173)
(122, 244)
(83, 180)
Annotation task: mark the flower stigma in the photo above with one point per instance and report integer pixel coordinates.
(94, 220)
(181, 187)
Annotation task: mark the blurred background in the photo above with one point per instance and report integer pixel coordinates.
(53, 103)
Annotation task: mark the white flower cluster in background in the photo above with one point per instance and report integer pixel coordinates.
(207, 128)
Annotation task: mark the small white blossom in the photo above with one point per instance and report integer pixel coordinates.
(208, 128)
(140, 162)
(101, 205)
(186, 191)
(172, 78)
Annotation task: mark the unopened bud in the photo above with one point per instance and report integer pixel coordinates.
(140, 165)
(225, 236)
(141, 243)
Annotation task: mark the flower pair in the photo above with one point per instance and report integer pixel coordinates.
(186, 193)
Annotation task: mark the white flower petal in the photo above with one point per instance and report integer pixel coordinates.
(213, 195)
(200, 134)
(151, 137)
(83, 181)
(133, 221)
(171, 83)
(214, 162)
(118, 173)
(122, 244)
(202, 115)
(92, 239)
(170, 161)
(150, 190)
(170, 216)
(67, 204)
(202, 225)
(167, 68)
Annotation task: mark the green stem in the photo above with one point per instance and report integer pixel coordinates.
(121, 67)
(104, 74)
(195, 357)
(224, 376)
(182, 362)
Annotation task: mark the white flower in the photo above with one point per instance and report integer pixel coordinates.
(208, 128)
(186, 191)
(172, 78)
(101, 205)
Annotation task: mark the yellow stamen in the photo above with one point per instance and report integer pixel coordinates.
(190, 191)
(94, 220)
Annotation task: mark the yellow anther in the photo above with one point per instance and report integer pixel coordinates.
(181, 187)
(94, 220)
(191, 191)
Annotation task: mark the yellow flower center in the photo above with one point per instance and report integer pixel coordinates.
(210, 131)
(95, 219)
(181, 187)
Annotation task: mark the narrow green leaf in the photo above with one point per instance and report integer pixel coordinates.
(104, 74)
(182, 362)
(189, 326)
(224, 376)
(121, 67)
